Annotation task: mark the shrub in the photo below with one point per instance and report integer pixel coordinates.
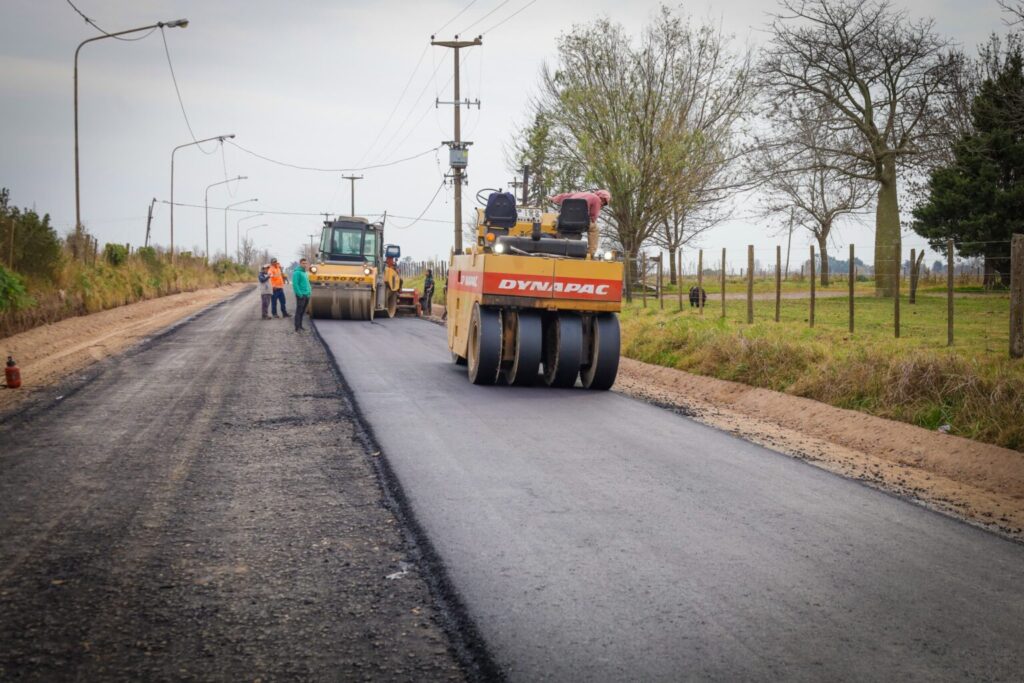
(115, 254)
(13, 296)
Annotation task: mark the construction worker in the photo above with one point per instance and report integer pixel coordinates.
(300, 285)
(596, 200)
(265, 291)
(277, 280)
(428, 292)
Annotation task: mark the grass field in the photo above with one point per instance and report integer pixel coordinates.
(973, 387)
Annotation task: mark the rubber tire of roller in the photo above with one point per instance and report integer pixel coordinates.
(563, 350)
(604, 353)
(529, 349)
(485, 336)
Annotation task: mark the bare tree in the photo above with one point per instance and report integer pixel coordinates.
(805, 186)
(1016, 11)
(247, 252)
(871, 77)
(712, 92)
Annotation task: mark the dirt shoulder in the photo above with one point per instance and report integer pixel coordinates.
(976, 482)
(49, 353)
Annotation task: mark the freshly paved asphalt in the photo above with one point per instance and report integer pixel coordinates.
(594, 537)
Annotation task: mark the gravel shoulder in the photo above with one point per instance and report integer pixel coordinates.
(204, 506)
(976, 482)
(49, 353)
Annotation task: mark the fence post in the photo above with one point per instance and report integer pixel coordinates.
(949, 293)
(1017, 296)
(912, 298)
(811, 318)
(679, 278)
(723, 282)
(643, 278)
(853, 278)
(778, 281)
(896, 296)
(700, 281)
(661, 275)
(750, 284)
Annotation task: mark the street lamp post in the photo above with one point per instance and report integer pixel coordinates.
(226, 208)
(238, 223)
(219, 138)
(182, 23)
(206, 209)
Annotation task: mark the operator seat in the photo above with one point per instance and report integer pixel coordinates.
(573, 219)
(500, 211)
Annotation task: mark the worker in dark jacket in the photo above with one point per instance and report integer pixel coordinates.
(265, 291)
(428, 292)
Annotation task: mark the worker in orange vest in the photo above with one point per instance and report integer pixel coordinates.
(277, 280)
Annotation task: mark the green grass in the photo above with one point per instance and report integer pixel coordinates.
(973, 387)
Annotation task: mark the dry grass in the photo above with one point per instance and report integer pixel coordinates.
(974, 389)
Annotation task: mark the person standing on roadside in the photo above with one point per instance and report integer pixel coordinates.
(265, 291)
(428, 292)
(277, 280)
(300, 285)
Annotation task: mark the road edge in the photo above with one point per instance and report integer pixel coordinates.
(47, 398)
(470, 647)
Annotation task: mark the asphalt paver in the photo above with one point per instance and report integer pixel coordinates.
(591, 536)
(205, 507)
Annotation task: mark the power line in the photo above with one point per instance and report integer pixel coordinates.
(472, 2)
(397, 102)
(508, 17)
(333, 170)
(270, 212)
(387, 145)
(500, 5)
(97, 27)
(427, 208)
(181, 102)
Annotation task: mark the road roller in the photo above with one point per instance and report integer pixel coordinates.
(528, 303)
(354, 277)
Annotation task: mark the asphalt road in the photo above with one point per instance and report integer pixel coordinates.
(204, 508)
(594, 537)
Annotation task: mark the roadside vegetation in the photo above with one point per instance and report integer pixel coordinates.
(973, 388)
(45, 278)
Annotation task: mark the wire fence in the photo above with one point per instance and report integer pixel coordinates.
(974, 304)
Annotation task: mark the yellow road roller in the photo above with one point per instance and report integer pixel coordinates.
(354, 277)
(527, 302)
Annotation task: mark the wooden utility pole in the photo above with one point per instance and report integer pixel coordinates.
(458, 150)
(700, 281)
(661, 272)
(750, 284)
(723, 282)
(778, 282)
(949, 293)
(149, 223)
(811, 319)
(853, 278)
(896, 293)
(352, 183)
(1017, 296)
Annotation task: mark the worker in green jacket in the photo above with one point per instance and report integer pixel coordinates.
(300, 285)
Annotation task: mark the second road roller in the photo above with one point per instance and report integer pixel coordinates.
(355, 275)
(528, 302)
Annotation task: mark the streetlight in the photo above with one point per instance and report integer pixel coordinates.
(238, 223)
(247, 230)
(206, 209)
(219, 138)
(177, 23)
(226, 208)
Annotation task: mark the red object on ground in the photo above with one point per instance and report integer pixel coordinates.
(12, 374)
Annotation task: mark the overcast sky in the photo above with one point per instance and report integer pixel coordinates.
(311, 83)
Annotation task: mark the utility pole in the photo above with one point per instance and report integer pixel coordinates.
(312, 246)
(149, 219)
(352, 181)
(458, 152)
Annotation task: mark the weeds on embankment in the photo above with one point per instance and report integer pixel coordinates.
(973, 387)
(77, 288)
